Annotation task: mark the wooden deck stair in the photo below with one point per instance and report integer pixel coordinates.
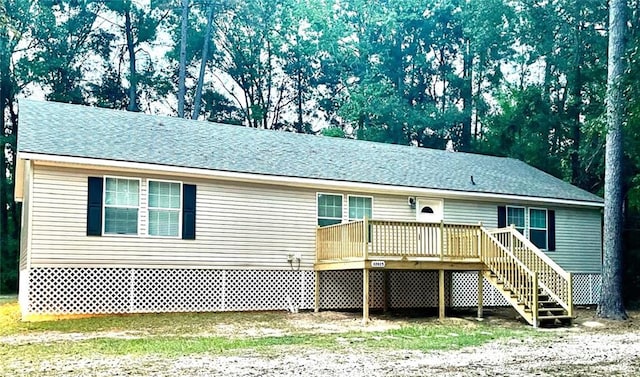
(538, 288)
(550, 312)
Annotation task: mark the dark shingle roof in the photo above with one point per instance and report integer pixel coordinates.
(80, 131)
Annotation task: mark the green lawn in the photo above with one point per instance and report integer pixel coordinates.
(180, 334)
(4, 299)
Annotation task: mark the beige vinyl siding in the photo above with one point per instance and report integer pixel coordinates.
(579, 239)
(238, 227)
(578, 230)
(468, 212)
(390, 207)
(26, 216)
(247, 226)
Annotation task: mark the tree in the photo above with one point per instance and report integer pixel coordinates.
(203, 61)
(250, 53)
(65, 38)
(184, 23)
(611, 304)
(139, 30)
(136, 30)
(523, 129)
(14, 24)
(557, 52)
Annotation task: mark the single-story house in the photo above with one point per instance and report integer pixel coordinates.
(127, 212)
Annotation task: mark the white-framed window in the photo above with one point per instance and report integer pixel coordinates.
(164, 208)
(360, 207)
(121, 205)
(516, 216)
(538, 227)
(329, 209)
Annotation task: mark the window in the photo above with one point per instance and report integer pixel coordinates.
(538, 229)
(536, 224)
(121, 205)
(359, 207)
(329, 209)
(515, 216)
(164, 208)
(114, 204)
(428, 210)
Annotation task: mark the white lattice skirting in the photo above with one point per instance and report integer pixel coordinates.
(132, 290)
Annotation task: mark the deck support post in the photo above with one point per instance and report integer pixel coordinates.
(441, 294)
(365, 296)
(570, 296)
(316, 307)
(480, 286)
(385, 302)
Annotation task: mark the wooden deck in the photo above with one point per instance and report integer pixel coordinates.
(537, 287)
(400, 245)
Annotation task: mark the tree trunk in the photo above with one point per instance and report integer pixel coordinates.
(611, 304)
(467, 98)
(4, 102)
(203, 63)
(183, 58)
(299, 89)
(575, 111)
(133, 74)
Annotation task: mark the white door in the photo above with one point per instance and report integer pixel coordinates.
(429, 210)
(429, 239)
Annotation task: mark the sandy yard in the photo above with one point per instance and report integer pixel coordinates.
(589, 347)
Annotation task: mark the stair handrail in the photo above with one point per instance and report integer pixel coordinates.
(532, 303)
(505, 250)
(567, 303)
(534, 249)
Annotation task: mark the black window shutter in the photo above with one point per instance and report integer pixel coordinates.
(94, 206)
(551, 222)
(188, 212)
(502, 217)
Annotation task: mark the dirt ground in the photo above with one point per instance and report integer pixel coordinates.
(590, 347)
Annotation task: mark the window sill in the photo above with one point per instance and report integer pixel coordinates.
(141, 236)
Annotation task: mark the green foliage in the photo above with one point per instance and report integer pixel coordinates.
(64, 38)
(333, 132)
(219, 108)
(514, 78)
(525, 129)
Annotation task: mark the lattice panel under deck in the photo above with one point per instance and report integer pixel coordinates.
(414, 289)
(79, 290)
(465, 291)
(586, 288)
(343, 289)
(407, 289)
(122, 290)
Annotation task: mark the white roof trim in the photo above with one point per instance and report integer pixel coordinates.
(94, 163)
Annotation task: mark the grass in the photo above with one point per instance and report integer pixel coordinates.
(174, 335)
(4, 299)
(151, 324)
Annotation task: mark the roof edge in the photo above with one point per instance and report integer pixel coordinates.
(96, 163)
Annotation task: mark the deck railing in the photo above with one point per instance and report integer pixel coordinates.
(555, 281)
(340, 241)
(515, 275)
(382, 238)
